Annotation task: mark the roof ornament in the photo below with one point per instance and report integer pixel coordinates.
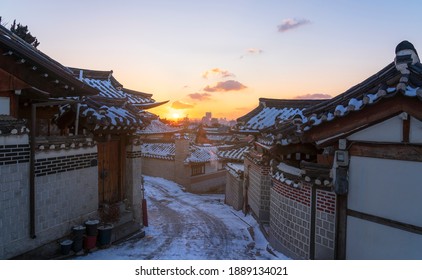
(405, 54)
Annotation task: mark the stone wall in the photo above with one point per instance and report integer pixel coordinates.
(134, 180)
(208, 183)
(325, 225)
(259, 182)
(234, 191)
(159, 168)
(62, 199)
(291, 221)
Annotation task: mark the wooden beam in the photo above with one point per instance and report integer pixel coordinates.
(405, 152)
(341, 227)
(372, 114)
(406, 130)
(384, 221)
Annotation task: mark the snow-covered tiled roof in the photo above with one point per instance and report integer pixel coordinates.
(235, 153)
(236, 169)
(11, 125)
(108, 90)
(159, 150)
(202, 154)
(401, 77)
(107, 114)
(271, 111)
(109, 87)
(157, 127)
(218, 137)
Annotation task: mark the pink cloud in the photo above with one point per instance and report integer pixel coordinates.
(290, 23)
(200, 96)
(181, 105)
(217, 72)
(230, 85)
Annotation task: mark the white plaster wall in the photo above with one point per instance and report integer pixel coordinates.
(387, 188)
(415, 131)
(14, 139)
(386, 131)
(368, 241)
(59, 153)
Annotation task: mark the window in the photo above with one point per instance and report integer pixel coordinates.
(4, 105)
(198, 169)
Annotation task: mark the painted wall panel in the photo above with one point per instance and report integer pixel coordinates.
(390, 189)
(386, 131)
(368, 241)
(415, 131)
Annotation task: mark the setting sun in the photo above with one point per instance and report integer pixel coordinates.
(175, 115)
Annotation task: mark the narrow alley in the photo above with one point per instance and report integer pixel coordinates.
(188, 226)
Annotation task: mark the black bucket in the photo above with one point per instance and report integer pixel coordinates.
(65, 246)
(104, 234)
(77, 244)
(91, 227)
(78, 232)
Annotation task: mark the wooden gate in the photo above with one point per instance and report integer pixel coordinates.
(109, 172)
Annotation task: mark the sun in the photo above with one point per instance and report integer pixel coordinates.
(175, 116)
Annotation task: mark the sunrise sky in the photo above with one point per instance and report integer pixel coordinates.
(222, 55)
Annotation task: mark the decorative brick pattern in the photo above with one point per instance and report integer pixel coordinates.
(234, 191)
(289, 221)
(137, 154)
(290, 212)
(48, 166)
(258, 189)
(325, 229)
(325, 224)
(326, 201)
(14, 154)
(302, 195)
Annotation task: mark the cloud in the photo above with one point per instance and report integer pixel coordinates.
(225, 86)
(314, 96)
(200, 96)
(290, 23)
(252, 51)
(217, 72)
(181, 105)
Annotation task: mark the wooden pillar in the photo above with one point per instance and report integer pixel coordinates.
(341, 228)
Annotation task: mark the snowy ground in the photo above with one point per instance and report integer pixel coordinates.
(185, 226)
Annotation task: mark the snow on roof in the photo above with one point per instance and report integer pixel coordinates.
(108, 90)
(11, 125)
(289, 169)
(236, 153)
(236, 169)
(218, 137)
(165, 151)
(397, 78)
(286, 173)
(106, 113)
(202, 154)
(157, 127)
(271, 111)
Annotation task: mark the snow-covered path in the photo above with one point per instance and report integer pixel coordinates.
(188, 226)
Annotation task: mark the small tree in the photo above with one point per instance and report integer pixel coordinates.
(23, 32)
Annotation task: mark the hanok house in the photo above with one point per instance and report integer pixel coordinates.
(257, 177)
(232, 158)
(195, 167)
(358, 194)
(113, 118)
(48, 183)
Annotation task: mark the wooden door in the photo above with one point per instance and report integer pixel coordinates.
(109, 167)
